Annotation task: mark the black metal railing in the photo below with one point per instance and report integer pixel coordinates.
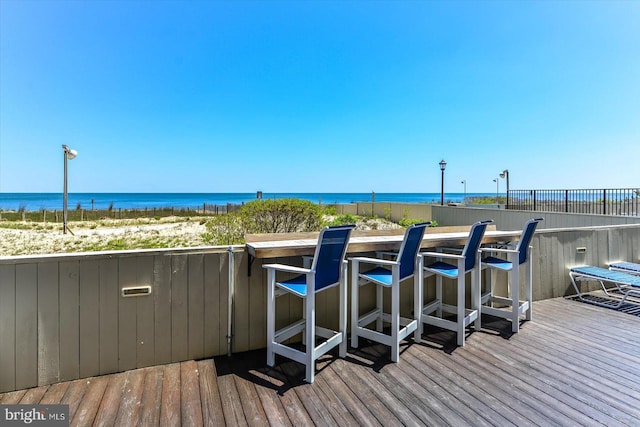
(617, 201)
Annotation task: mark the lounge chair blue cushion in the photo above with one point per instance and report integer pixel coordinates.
(448, 270)
(605, 274)
(380, 275)
(500, 263)
(629, 266)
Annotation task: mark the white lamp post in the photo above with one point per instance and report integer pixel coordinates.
(69, 154)
(464, 183)
(497, 181)
(505, 174)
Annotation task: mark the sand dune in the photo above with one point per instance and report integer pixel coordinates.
(39, 238)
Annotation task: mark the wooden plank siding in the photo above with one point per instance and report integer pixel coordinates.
(89, 327)
(49, 324)
(7, 327)
(575, 364)
(63, 317)
(69, 294)
(26, 326)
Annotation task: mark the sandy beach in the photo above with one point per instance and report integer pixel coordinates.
(31, 238)
(39, 238)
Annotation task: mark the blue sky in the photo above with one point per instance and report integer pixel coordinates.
(359, 96)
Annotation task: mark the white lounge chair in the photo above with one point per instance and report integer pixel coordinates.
(626, 285)
(626, 267)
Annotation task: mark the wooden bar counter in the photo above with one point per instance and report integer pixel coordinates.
(294, 244)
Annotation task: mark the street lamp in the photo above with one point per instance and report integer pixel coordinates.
(464, 183)
(69, 154)
(505, 174)
(497, 181)
(443, 165)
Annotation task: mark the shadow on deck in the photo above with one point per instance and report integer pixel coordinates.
(574, 364)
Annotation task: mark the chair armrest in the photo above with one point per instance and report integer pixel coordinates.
(441, 255)
(374, 261)
(287, 268)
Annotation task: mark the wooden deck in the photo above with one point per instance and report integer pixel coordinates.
(574, 364)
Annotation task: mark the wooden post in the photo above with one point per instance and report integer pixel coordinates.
(373, 201)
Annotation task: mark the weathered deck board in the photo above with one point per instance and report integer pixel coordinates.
(110, 404)
(129, 410)
(54, 393)
(33, 395)
(211, 406)
(170, 398)
(152, 394)
(88, 408)
(574, 364)
(190, 392)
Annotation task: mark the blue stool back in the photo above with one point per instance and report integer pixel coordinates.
(330, 252)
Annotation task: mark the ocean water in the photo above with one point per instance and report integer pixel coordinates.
(53, 201)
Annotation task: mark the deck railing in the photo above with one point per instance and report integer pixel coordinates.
(617, 201)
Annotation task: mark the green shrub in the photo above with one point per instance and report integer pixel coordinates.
(280, 216)
(224, 229)
(263, 216)
(329, 210)
(406, 222)
(486, 200)
(387, 214)
(343, 219)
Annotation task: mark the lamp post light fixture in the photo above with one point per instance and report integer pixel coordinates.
(69, 154)
(497, 181)
(505, 174)
(443, 165)
(464, 183)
